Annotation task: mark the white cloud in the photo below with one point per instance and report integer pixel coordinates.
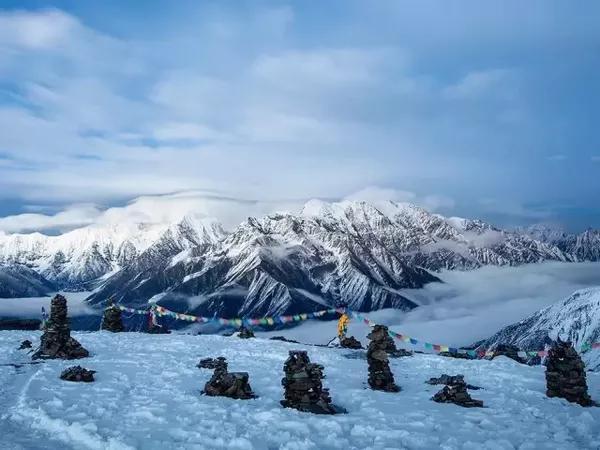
(36, 30)
(375, 194)
(73, 217)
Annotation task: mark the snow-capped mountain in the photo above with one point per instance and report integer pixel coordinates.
(85, 255)
(356, 253)
(17, 280)
(584, 246)
(575, 319)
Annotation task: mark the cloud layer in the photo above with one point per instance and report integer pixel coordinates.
(279, 101)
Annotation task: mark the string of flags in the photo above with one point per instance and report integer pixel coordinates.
(472, 353)
(161, 311)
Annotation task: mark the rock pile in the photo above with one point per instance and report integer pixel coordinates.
(211, 363)
(456, 355)
(565, 374)
(78, 373)
(451, 379)
(303, 389)
(510, 351)
(245, 333)
(456, 392)
(26, 344)
(350, 342)
(390, 345)
(227, 384)
(112, 321)
(380, 375)
(56, 341)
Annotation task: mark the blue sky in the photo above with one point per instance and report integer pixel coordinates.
(468, 108)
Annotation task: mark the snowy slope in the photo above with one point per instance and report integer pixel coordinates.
(17, 280)
(576, 319)
(147, 395)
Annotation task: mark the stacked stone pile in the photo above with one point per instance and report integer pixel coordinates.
(78, 373)
(510, 351)
(245, 333)
(565, 374)
(350, 342)
(224, 383)
(451, 379)
(304, 390)
(380, 375)
(456, 392)
(56, 341)
(112, 320)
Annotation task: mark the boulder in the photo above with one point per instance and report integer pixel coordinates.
(350, 342)
(26, 344)
(78, 373)
(456, 393)
(245, 333)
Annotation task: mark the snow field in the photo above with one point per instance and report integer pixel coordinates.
(147, 395)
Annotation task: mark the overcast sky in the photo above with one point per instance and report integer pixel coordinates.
(468, 108)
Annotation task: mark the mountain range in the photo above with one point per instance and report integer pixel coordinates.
(575, 319)
(355, 253)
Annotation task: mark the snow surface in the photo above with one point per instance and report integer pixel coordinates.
(147, 395)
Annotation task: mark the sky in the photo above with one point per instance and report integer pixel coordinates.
(466, 108)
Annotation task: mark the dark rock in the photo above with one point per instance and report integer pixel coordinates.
(245, 333)
(380, 375)
(284, 339)
(226, 384)
(456, 392)
(303, 388)
(56, 341)
(26, 344)
(565, 374)
(112, 321)
(158, 329)
(449, 379)
(78, 373)
(211, 363)
(510, 351)
(20, 324)
(456, 355)
(350, 342)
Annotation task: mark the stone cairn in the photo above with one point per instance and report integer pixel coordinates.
(224, 383)
(451, 379)
(112, 321)
(78, 373)
(456, 392)
(565, 374)
(350, 342)
(245, 333)
(510, 351)
(303, 389)
(56, 341)
(381, 377)
(390, 345)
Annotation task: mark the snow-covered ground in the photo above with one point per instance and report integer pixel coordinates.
(147, 395)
